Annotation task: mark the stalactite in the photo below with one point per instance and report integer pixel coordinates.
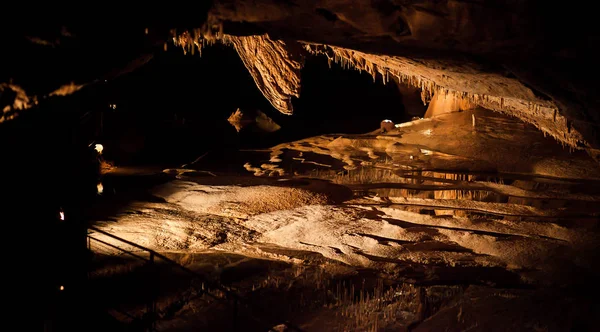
(423, 97)
(514, 107)
(374, 74)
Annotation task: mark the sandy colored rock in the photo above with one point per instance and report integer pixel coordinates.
(275, 70)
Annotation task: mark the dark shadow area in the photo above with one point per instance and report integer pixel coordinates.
(176, 107)
(337, 100)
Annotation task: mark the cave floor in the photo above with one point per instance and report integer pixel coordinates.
(493, 229)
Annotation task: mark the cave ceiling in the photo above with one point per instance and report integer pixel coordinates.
(531, 59)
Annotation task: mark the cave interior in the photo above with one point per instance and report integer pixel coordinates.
(330, 165)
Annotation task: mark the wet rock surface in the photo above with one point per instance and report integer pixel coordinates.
(449, 237)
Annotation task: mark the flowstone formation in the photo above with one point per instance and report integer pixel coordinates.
(13, 99)
(256, 120)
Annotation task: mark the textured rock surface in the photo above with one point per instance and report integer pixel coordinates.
(12, 100)
(257, 119)
(275, 70)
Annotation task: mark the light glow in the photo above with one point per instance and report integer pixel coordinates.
(99, 188)
(62, 288)
(99, 148)
(61, 215)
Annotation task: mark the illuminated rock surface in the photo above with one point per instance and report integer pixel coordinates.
(491, 213)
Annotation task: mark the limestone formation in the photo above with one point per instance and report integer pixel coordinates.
(447, 103)
(387, 126)
(275, 70)
(12, 100)
(256, 119)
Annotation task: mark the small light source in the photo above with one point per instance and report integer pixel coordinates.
(99, 188)
(61, 215)
(62, 288)
(146, 31)
(99, 148)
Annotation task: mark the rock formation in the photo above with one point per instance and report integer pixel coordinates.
(387, 126)
(258, 120)
(12, 100)
(274, 69)
(447, 103)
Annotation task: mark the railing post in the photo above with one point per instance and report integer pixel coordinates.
(151, 317)
(235, 314)
(90, 258)
(151, 310)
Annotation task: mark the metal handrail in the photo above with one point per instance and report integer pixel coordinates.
(166, 259)
(115, 247)
(229, 294)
